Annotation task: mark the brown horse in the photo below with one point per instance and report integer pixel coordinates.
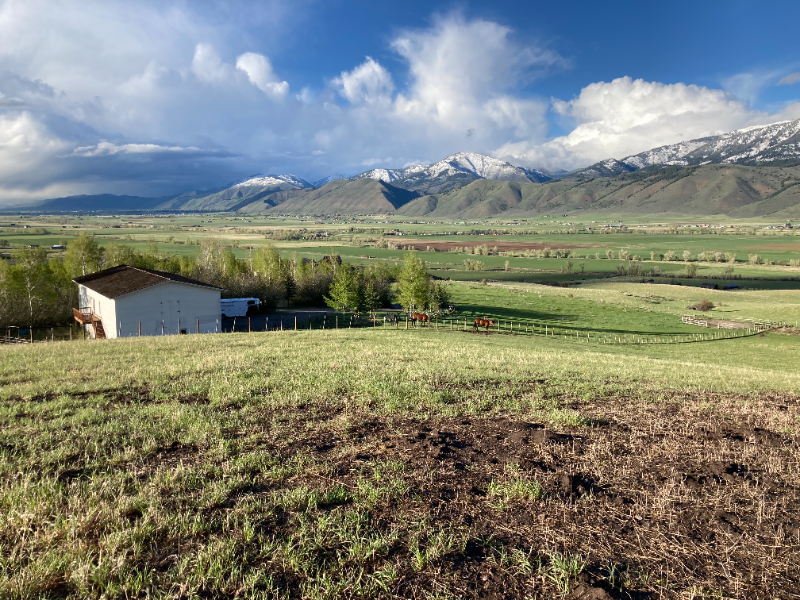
(483, 323)
(421, 317)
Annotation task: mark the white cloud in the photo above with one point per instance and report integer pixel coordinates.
(790, 79)
(627, 116)
(259, 71)
(208, 66)
(368, 82)
(465, 71)
(110, 149)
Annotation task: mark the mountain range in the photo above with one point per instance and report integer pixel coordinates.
(748, 172)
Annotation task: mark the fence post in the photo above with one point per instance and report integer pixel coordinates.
(281, 323)
(295, 322)
(162, 326)
(119, 327)
(198, 325)
(31, 332)
(337, 321)
(216, 325)
(70, 332)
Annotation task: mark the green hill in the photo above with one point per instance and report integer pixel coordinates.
(735, 190)
(340, 196)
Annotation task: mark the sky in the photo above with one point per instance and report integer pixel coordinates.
(155, 98)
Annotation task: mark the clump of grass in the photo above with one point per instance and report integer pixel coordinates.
(563, 568)
(517, 488)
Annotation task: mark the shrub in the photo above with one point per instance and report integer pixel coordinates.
(670, 256)
(704, 305)
(687, 256)
(754, 259)
(691, 269)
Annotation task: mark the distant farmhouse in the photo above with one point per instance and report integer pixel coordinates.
(128, 301)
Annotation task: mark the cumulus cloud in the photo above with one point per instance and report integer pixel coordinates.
(790, 79)
(259, 71)
(208, 66)
(147, 98)
(368, 82)
(627, 116)
(465, 71)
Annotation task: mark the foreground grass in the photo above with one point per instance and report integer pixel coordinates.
(398, 464)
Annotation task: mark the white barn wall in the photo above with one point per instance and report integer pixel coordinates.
(103, 307)
(170, 302)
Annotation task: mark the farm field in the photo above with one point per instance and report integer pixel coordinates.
(428, 462)
(355, 240)
(401, 463)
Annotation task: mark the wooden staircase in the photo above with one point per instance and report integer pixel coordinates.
(85, 316)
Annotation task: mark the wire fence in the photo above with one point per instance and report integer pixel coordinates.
(388, 321)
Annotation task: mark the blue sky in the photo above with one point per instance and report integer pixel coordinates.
(155, 98)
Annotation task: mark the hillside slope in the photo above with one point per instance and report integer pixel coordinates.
(735, 190)
(362, 196)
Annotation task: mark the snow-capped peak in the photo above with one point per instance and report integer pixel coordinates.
(273, 180)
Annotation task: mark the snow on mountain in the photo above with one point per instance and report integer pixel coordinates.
(319, 183)
(386, 175)
(273, 181)
(761, 144)
(459, 165)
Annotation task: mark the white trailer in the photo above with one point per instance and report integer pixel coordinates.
(239, 307)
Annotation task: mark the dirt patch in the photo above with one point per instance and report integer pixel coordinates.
(502, 246)
(793, 246)
(660, 492)
(666, 499)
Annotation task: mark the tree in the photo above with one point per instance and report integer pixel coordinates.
(344, 291)
(31, 280)
(412, 283)
(691, 269)
(438, 298)
(82, 256)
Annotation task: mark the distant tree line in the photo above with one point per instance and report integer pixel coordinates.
(37, 291)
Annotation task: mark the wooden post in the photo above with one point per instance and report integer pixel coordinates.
(198, 325)
(119, 327)
(248, 325)
(234, 325)
(140, 329)
(162, 326)
(266, 327)
(31, 332)
(281, 323)
(295, 322)
(70, 332)
(337, 322)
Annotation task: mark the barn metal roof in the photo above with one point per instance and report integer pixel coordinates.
(121, 280)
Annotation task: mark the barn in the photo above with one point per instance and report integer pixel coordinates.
(129, 301)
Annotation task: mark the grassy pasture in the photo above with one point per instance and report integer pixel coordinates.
(420, 463)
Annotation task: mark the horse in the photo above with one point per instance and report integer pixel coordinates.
(483, 323)
(421, 317)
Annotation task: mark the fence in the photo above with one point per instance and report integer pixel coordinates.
(16, 335)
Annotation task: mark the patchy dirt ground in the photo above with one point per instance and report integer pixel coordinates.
(688, 496)
(502, 246)
(659, 502)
